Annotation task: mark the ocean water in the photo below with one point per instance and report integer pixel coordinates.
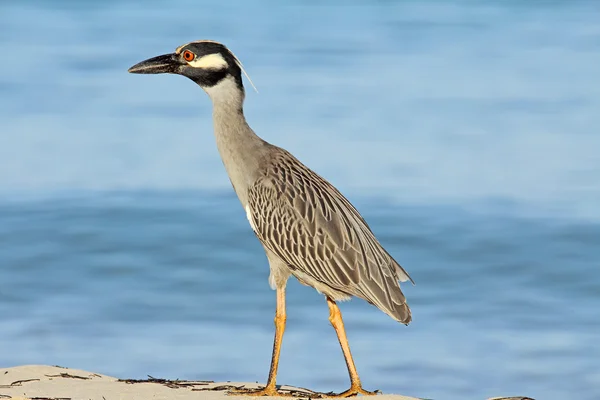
(466, 132)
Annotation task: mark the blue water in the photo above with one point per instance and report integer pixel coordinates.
(466, 132)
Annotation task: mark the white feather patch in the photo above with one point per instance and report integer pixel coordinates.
(210, 61)
(249, 216)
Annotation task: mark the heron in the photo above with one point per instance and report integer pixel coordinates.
(308, 229)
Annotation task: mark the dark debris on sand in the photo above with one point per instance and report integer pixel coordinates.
(174, 384)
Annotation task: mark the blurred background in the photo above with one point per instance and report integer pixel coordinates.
(466, 132)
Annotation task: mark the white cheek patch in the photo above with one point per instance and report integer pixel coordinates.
(211, 61)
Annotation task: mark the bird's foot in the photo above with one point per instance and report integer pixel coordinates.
(301, 393)
(353, 391)
(264, 391)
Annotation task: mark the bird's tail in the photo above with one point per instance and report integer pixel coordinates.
(386, 295)
(400, 312)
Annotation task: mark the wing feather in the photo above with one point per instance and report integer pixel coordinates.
(314, 229)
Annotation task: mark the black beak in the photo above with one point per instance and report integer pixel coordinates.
(165, 64)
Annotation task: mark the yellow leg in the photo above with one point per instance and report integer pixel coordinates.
(335, 317)
(271, 389)
(280, 319)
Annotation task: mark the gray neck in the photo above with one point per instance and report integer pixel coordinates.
(240, 148)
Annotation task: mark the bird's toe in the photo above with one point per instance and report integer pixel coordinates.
(353, 391)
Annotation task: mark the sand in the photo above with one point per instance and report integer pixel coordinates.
(41, 382)
(57, 383)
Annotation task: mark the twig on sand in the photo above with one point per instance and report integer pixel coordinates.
(49, 398)
(19, 382)
(65, 375)
(219, 388)
(174, 384)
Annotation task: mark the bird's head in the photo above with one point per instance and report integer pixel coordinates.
(210, 64)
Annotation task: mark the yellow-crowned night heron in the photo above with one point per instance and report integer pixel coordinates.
(307, 227)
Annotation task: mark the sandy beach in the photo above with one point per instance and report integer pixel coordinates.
(42, 382)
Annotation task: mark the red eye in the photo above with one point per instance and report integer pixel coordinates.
(188, 55)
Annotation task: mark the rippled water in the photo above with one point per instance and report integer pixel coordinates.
(465, 132)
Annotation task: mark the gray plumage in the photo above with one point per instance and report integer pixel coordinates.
(307, 227)
(321, 237)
